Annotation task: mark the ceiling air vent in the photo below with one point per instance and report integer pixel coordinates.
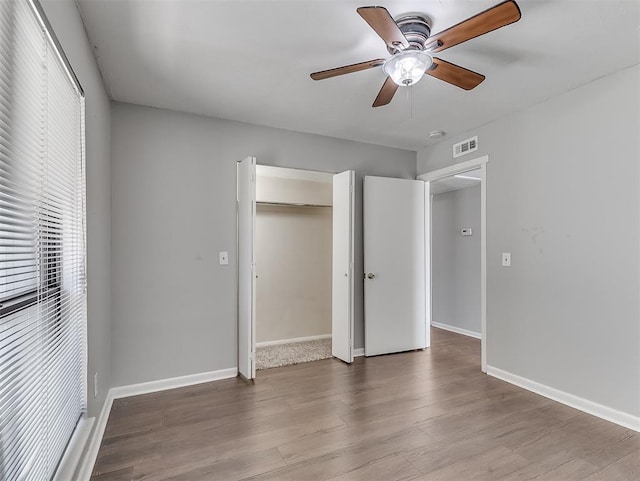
(466, 146)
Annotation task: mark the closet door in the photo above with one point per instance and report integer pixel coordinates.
(246, 268)
(342, 272)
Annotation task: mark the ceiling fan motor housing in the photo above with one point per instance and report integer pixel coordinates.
(416, 27)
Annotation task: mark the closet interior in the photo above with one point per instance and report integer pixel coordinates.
(293, 250)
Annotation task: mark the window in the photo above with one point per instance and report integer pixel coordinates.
(42, 247)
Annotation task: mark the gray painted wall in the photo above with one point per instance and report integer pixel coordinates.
(69, 29)
(455, 264)
(563, 198)
(174, 191)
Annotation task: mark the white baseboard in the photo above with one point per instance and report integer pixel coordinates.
(71, 461)
(358, 352)
(292, 340)
(84, 473)
(457, 330)
(172, 383)
(93, 446)
(609, 414)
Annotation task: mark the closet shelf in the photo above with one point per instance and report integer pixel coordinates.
(290, 204)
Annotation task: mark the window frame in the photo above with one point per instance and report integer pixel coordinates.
(49, 285)
(25, 299)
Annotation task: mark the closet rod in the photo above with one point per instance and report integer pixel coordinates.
(290, 204)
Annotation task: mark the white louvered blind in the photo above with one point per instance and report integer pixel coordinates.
(42, 249)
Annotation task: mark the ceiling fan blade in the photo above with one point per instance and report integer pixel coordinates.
(454, 74)
(384, 25)
(501, 15)
(386, 93)
(356, 67)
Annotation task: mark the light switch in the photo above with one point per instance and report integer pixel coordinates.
(506, 259)
(224, 258)
(466, 231)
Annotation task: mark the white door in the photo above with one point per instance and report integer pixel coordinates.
(246, 268)
(342, 271)
(427, 260)
(394, 261)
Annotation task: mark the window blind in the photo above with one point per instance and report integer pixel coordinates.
(42, 247)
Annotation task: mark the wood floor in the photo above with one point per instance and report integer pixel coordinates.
(426, 415)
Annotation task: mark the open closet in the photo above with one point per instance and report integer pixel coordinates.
(293, 256)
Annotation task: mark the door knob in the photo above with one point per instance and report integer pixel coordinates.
(371, 275)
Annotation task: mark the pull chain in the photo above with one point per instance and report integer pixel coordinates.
(411, 102)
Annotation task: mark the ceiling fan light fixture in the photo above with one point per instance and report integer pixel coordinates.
(407, 67)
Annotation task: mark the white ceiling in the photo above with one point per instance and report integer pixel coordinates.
(250, 61)
(465, 180)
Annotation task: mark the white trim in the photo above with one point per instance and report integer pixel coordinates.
(293, 340)
(589, 407)
(93, 445)
(72, 459)
(359, 352)
(428, 244)
(480, 162)
(89, 460)
(454, 169)
(483, 265)
(457, 330)
(172, 383)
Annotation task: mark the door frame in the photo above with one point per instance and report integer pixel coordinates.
(351, 267)
(481, 163)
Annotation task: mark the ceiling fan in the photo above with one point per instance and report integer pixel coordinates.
(411, 45)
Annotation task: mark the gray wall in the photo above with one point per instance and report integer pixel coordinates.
(174, 190)
(455, 264)
(68, 27)
(563, 198)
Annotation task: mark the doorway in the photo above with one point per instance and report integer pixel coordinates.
(293, 266)
(304, 218)
(458, 187)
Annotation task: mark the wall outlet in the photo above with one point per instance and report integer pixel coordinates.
(223, 258)
(506, 259)
(95, 385)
